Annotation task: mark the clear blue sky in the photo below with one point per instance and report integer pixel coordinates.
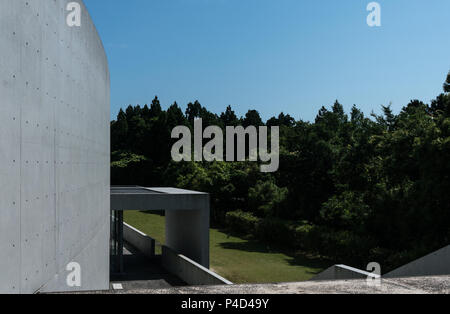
(273, 55)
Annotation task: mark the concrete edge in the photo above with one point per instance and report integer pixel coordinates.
(189, 271)
(344, 272)
(139, 240)
(206, 270)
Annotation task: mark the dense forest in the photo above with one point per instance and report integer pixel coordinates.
(351, 188)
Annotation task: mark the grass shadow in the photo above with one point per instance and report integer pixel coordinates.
(161, 213)
(295, 258)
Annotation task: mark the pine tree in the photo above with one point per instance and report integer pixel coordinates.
(252, 117)
(447, 84)
(155, 108)
(229, 118)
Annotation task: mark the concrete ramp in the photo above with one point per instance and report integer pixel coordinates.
(343, 272)
(434, 264)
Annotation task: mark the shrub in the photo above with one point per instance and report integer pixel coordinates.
(346, 247)
(241, 222)
(276, 231)
(307, 237)
(266, 198)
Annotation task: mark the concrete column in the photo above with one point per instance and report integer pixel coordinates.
(187, 232)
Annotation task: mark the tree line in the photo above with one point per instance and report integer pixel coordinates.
(350, 187)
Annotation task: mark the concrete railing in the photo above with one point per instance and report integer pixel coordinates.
(343, 272)
(189, 271)
(139, 240)
(179, 265)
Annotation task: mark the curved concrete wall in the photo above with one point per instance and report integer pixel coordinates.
(54, 149)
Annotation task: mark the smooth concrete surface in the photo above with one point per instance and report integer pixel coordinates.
(54, 149)
(187, 216)
(415, 285)
(343, 272)
(434, 264)
(138, 239)
(189, 271)
(187, 232)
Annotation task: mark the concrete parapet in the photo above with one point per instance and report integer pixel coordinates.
(138, 239)
(189, 271)
(343, 272)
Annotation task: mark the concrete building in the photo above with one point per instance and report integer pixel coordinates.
(56, 200)
(54, 148)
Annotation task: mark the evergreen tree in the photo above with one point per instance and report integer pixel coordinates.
(229, 118)
(193, 111)
(447, 84)
(175, 116)
(119, 131)
(252, 117)
(155, 108)
(353, 189)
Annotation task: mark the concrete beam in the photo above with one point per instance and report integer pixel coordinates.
(187, 216)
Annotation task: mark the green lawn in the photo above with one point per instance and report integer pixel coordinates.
(237, 259)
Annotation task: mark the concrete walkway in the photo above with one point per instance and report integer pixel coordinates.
(143, 273)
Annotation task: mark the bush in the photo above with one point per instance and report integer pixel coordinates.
(347, 247)
(268, 230)
(241, 222)
(276, 231)
(266, 199)
(307, 237)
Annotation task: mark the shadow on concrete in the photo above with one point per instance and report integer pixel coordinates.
(141, 272)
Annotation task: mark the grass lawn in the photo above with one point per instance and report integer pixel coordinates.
(237, 259)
